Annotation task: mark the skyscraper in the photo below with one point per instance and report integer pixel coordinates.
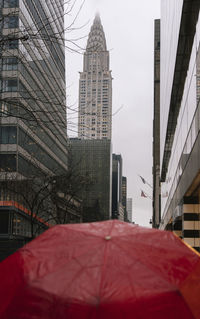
(33, 139)
(124, 196)
(95, 87)
(156, 128)
(33, 112)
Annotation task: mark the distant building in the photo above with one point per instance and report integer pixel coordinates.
(156, 128)
(120, 211)
(92, 161)
(129, 206)
(117, 206)
(95, 88)
(179, 112)
(124, 196)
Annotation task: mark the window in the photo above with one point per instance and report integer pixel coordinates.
(21, 226)
(11, 22)
(11, 3)
(4, 222)
(10, 85)
(8, 163)
(12, 44)
(10, 64)
(4, 109)
(8, 135)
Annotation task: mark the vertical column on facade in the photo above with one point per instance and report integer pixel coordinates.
(191, 224)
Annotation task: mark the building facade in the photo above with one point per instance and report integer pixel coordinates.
(129, 206)
(179, 116)
(33, 140)
(92, 163)
(156, 128)
(124, 197)
(95, 88)
(33, 109)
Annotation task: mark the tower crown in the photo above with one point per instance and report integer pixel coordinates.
(95, 87)
(96, 39)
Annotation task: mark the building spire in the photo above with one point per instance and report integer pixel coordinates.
(97, 18)
(96, 39)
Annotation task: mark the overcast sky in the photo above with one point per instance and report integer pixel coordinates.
(129, 31)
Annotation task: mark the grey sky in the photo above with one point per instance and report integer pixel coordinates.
(129, 31)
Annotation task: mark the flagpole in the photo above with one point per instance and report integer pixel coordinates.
(144, 181)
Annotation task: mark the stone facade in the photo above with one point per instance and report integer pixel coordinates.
(95, 88)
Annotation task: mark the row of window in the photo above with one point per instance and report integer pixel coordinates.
(10, 64)
(8, 163)
(83, 129)
(21, 226)
(94, 122)
(104, 135)
(8, 134)
(11, 22)
(11, 44)
(9, 3)
(9, 85)
(15, 223)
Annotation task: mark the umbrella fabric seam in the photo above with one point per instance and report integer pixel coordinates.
(105, 260)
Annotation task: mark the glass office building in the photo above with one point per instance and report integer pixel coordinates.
(180, 119)
(32, 104)
(33, 138)
(92, 162)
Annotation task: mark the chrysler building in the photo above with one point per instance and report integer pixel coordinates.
(95, 88)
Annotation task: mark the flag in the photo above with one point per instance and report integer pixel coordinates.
(165, 194)
(143, 194)
(144, 181)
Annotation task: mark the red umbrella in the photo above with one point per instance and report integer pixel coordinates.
(101, 270)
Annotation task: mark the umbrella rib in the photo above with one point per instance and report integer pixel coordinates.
(64, 263)
(76, 275)
(185, 302)
(104, 261)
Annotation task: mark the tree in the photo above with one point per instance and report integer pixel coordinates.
(48, 200)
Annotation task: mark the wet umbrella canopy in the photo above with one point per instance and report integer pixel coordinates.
(101, 270)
